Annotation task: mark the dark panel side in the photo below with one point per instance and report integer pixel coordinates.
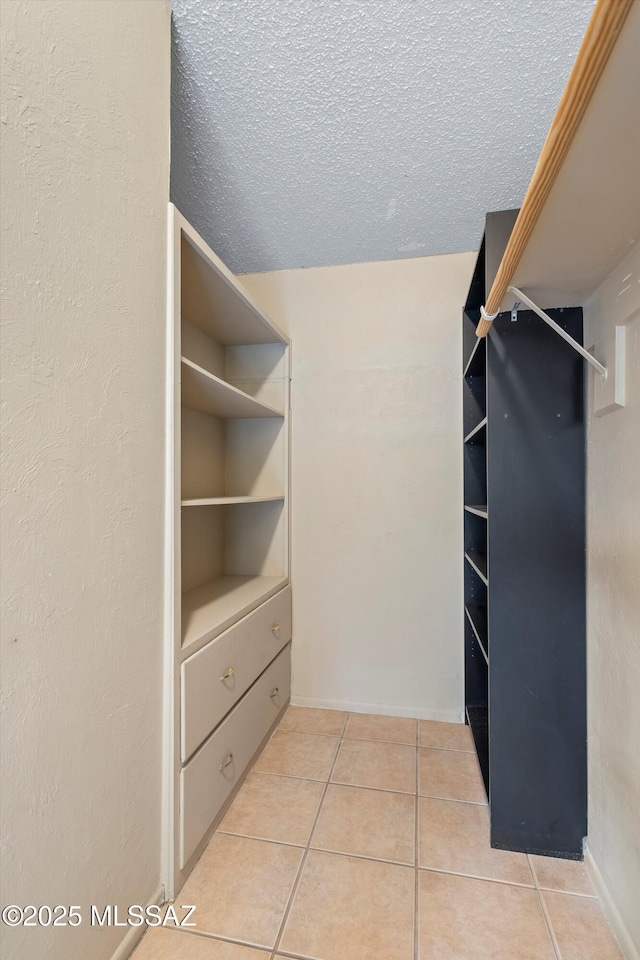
(536, 533)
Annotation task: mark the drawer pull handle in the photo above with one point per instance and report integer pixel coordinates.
(275, 628)
(274, 693)
(228, 760)
(229, 673)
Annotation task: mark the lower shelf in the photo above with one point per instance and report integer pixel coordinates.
(478, 718)
(211, 608)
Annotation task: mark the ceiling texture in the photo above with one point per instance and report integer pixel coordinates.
(316, 132)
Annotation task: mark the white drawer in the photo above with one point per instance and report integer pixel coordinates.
(215, 678)
(210, 776)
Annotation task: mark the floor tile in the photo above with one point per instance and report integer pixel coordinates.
(241, 888)
(450, 775)
(367, 823)
(350, 909)
(161, 944)
(311, 720)
(274, 808)
(298, 755)
(383, 766)
(454, 836)
(567, 876)
(445, 736)
(369, 726)
(463, 919)
(580, 928)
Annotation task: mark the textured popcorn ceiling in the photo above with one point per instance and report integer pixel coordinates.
(313, 132)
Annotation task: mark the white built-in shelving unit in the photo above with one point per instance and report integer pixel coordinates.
(227, 550)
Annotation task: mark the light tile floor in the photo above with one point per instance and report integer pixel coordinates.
(361, 837)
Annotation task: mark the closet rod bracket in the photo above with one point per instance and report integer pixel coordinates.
(602, 370)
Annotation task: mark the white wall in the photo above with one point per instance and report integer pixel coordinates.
(376, 481)
(613, 530)
(85, 173)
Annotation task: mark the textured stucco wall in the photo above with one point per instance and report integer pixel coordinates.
(85, 179)
(613, 531)
(315, 132)
(376, 481)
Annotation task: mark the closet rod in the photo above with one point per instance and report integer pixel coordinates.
(602, 370)
(604, 27)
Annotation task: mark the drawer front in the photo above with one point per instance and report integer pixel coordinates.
(215, 678)
(210, 776)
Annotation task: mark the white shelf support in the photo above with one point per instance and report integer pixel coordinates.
(602, 370)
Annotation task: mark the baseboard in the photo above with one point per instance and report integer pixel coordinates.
(134, 934)
(622, 935)
(386, 710)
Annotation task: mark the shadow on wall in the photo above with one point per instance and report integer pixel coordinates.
(200, 167)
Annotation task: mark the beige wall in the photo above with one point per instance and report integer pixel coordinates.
(85, 173)
(376, 481)
(613, 529)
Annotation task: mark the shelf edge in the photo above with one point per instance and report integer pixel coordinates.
(229, 386)
(476, 634)
(478, 427)
(483, 576)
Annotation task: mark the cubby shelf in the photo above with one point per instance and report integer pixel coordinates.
(477, 617)
(479, 510)
(476, 363)
(215, 299)
(474, 434)
(224, 501)
(209, 609)
(203, 391)
(479, 563)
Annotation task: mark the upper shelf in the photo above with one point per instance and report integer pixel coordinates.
(214, 299)
(591, 216)
(203, 391)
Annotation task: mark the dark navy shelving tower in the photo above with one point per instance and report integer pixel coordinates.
(524, 566)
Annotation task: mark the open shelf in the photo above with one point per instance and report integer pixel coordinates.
(476, 364)
(203, 391)
(478, 718)
(480, 510)
(211, 608)
(479, 427)
(477, 617)
(479, 563)
(224, 501)
(214, 299)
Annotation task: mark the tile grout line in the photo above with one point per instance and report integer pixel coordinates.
(475, 876)
(307, 849)
(361, 786)
(571, 893)
(395, 863)
(219, 938)
(397, 743)
(545, 912)
(337, 853)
